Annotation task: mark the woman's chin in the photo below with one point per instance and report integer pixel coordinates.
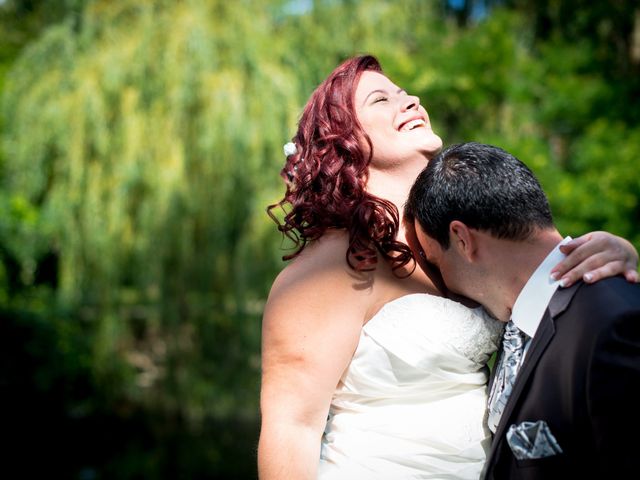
(432, 146)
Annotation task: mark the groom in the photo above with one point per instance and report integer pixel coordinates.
(564, 401)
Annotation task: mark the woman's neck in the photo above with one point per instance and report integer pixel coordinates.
(394, 186)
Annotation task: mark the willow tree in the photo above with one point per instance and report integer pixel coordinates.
(141, 138)
(144, 143)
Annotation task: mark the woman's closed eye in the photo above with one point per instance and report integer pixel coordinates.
(380, 99)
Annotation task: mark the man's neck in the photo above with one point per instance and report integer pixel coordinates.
(518, 260)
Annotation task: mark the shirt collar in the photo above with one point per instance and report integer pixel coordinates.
(535, 296)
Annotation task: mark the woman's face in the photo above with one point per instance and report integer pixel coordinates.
(396, 123)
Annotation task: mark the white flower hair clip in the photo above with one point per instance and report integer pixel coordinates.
(290, 149)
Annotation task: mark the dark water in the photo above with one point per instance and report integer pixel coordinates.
(55, 426)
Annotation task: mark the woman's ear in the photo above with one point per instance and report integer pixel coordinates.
(464, 240)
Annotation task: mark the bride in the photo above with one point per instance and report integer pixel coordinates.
(367, 370)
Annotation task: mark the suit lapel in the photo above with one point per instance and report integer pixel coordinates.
(558, 304)
(561, 300)
(543, 336)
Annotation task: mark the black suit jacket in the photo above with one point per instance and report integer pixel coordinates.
(582, 376)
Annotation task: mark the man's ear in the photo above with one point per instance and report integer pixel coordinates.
(464, 240)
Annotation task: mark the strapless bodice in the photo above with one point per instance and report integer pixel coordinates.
(412, 402)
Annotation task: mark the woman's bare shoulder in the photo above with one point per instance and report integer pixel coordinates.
(319, 274)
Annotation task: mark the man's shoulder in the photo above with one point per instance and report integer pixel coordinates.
(614, 291)
(597, 306)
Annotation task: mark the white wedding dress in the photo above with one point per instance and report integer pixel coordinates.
(412, 402)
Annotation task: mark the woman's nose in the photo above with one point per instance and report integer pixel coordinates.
(411, 102)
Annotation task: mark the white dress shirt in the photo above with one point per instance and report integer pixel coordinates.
(530, 305)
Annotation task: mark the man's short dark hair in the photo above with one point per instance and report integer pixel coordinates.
(482, 186)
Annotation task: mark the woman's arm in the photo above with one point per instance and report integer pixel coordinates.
(595, 256)
(311, 327)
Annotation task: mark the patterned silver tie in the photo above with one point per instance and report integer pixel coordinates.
(513, 345)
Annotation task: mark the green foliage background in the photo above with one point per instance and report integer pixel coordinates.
(141, 142)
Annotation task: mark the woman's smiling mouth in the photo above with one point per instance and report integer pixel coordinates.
(411, 124)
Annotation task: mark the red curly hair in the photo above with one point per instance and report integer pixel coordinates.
(327, 176)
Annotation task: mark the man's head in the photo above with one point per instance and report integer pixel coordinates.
(471, 204)
(482, 186)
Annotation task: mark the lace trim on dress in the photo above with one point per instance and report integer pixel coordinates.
(411, 320)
